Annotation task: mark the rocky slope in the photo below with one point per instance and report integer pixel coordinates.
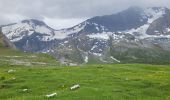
(133, 35)
(4, 42)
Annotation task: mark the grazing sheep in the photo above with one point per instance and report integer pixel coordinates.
(75, 87)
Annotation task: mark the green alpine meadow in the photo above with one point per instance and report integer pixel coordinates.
(44, 76)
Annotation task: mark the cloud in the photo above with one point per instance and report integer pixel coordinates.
(63, 23)
(65, 13)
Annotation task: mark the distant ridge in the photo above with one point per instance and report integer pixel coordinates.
(138, 35)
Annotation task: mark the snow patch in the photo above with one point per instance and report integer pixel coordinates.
(103, 35)
(43, 29)
(65, 41)
(114, 59)
(86, 59)
(168, 29)
(95, 46)
(152, 16)
(97, 54)
(62, 34)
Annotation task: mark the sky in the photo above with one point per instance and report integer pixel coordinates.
(66, 13)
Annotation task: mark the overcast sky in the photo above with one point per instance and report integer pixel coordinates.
(66, 13)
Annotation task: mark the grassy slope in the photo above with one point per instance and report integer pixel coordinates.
(149, 56)
(15, 57)
(98, 82)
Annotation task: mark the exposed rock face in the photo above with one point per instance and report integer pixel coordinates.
(160, 26)
(4, 42)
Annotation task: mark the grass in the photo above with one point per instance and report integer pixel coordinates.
(16, 57)
(44, 75)
(97, 82)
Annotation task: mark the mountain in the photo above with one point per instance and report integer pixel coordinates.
(29, 35)
(34, 35)
(11, 56)
(134, 35)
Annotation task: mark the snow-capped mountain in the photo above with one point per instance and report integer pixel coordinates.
(119, 37)
(135, 34)
(34, 35)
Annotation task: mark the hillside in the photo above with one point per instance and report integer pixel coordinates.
(9, 56)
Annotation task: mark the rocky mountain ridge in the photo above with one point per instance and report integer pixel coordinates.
(133, 35)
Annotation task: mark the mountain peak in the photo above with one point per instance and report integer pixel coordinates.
(34, 21)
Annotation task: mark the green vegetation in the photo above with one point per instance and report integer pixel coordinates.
(16, 57)
(27, 76)
(97, 82)
(148, 56)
